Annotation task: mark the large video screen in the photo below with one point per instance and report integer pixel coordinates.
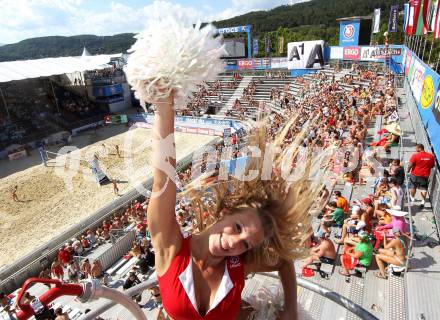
(235, 48)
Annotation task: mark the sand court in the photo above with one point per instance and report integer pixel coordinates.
(54, 198)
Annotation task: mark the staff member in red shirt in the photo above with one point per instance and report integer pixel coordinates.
(419, 168)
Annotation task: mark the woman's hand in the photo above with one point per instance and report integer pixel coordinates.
(167, 102)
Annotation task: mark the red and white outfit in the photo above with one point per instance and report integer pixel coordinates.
(178, 292)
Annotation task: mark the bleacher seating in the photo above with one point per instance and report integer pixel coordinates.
(74, 108)
(297, 88)
(264, 88)
(26, 119)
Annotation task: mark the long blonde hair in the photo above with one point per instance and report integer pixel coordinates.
(282, 206)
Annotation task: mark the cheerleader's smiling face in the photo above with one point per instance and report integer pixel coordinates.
(235, 234)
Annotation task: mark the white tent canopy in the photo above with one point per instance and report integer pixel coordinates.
(26, 69)
(85, 53)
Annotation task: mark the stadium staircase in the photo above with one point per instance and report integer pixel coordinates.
(265, 87)
(235, 95)
(225, 91)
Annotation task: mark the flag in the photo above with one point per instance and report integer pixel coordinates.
(426, 11)
(410, 18)
(437, 24)
(392, 25)
(433, 16)
(281, 45)
(255, 47)
(267, 45)
(414, 9)
(405, 19)
(420, 24)
(376, 28)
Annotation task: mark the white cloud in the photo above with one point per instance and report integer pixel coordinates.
(23, 19)
(254, 5)
(67, 17)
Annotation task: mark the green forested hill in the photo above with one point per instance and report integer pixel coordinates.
(315, 19)
(57, 46)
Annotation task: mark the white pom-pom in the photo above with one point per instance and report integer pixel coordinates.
(171, 56)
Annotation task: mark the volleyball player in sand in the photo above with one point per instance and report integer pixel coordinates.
(14, 195)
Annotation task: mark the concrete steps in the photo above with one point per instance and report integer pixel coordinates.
(236, 95)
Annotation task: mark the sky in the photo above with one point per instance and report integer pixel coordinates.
(23, 19)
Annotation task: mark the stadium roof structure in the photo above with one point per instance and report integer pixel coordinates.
(28, 69)
(85, 53)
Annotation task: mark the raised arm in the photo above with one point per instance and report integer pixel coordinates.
(164, 229)
(287, 275)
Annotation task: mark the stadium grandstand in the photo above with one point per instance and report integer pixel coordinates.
(84, 250)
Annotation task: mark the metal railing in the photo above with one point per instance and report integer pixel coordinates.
(308, 285)
(402, 161)
(421, 136)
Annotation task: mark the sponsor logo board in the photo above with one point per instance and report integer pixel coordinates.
(352, 53)
(427, 92)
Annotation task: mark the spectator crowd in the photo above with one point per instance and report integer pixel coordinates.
(355, 232)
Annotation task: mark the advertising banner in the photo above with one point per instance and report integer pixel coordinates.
(367, 53)
(188, 124)
(408, 58)
(278, 63)
(255, 47)
(246, 64)
(378, 53)
(394, 14)
(336, 53)
(352, 53)
(267, 45)
(425, 86)
(261, 63)
(281, 45)
(246, 28)
(416, 78)
(349, 33)
(305, 54)
(116, 119)
(376, 23)
(105, 91)
(226, 132)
